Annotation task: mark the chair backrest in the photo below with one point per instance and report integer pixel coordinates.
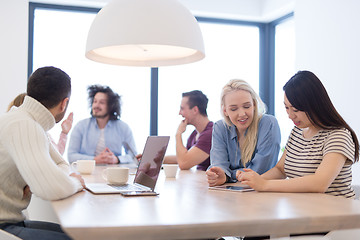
(7, 236)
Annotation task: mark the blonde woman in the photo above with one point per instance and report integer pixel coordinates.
(245, 138)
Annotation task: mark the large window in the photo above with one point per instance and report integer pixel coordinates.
(229, 55)
(232, 51)
(59, 40)
(58, 37)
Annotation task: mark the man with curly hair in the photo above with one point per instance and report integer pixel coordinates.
(103, 136)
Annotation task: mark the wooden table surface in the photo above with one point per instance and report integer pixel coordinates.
(187, 209)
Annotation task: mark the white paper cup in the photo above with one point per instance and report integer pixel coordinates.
(84, 166)
(116, 175)
(170, 170)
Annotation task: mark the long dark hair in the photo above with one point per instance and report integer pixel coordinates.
(306, 93)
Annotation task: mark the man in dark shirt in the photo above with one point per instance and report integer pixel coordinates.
(197, 151)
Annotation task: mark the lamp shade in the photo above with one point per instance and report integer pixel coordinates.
(148, 33)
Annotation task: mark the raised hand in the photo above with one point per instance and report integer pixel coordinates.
(67, 124)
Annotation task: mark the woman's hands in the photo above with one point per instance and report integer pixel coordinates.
(216, 176)
(67, 124)
(252, 179)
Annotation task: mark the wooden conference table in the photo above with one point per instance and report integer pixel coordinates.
(187, 209)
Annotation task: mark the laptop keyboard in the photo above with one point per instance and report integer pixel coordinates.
(128, 187)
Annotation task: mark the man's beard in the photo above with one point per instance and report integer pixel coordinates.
(100, 116)
(60, 116)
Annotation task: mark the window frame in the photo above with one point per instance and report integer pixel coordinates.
(266, 55)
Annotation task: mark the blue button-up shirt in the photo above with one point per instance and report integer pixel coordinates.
(225, 151)
(85, 136)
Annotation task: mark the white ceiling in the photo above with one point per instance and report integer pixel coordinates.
(249, 10)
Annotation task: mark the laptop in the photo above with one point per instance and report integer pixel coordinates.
(147, 172)
(131, 150)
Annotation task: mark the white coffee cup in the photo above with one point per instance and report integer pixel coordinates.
(170, 170)
(116, 175)
(84, 166)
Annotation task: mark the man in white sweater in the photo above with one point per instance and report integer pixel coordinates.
(29, 163)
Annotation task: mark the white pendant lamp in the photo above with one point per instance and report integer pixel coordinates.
(149, 33)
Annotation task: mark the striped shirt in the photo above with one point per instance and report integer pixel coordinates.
(305, 155)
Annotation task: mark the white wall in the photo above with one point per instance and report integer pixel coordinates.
(273, 9)
(235, 9)
(327, 43)
(13, 49)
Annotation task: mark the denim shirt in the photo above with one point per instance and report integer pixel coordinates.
(225, 151)
(86, 134)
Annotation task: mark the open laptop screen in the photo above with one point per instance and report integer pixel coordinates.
(151, 161)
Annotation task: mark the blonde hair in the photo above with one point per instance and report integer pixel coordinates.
(18, 100)
(259, 109)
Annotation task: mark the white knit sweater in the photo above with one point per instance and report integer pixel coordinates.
(28, 159)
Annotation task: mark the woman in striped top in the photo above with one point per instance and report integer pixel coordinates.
(321, 147)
